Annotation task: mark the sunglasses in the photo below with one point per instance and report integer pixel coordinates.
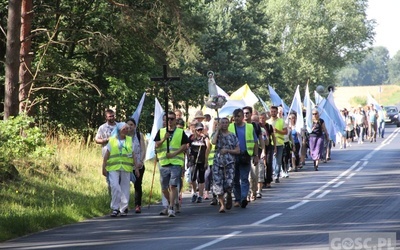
(171, 119)
(246, 113)
(315, 113)
(200, 129)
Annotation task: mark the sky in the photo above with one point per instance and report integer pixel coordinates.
(387, 17)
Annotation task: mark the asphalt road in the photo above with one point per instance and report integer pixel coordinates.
(357, 193)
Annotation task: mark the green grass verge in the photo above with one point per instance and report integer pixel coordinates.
(72, 189)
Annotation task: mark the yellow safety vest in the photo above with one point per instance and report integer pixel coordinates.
(279, 138)
(211, 155)
(120, 159)
(249, 132)
(174, 145)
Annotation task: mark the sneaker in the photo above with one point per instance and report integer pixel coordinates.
(138, 209)
(171, 213)
(199, 199)
(277, 181)
(244, 203)
(214, 201)
(194, 198)
(124, 213)
(164, 211)
(259, 195)
(177, 208)
(114, 213)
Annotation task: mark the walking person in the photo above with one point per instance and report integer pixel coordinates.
(318, 131)
(360, 120)
(103, 134)
(257, 181)
(118, 163)
(295, 141)
(270, 148)
(381, 122)
(248, 143)
(254, 171)
(280, 130)
(199, 148)
(223, 167)
(171, 159)
(372, 122)
(209, 172)
(139, 154)
(349, 128)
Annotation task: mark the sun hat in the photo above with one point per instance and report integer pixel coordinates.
(199, 114)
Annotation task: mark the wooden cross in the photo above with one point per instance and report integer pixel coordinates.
(165, 80)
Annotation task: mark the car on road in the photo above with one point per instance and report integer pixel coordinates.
(392, 115)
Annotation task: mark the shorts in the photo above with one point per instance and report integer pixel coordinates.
(170, 176)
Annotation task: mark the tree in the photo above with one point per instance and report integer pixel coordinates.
(236, 45)
(372, 70)
(347, 76)
(25, 70)
(394, 69)
(316, 38)
(11, 104)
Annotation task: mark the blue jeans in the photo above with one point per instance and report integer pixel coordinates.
(381, 129)
(278, 165)
(241, 184)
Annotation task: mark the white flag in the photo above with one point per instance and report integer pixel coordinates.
(277, 100)
(138, 111)
(297, 107)
(265, 106)
(309, 106)
(371, 100)
(157, 125)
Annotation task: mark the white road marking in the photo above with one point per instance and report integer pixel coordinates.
(323, 194)
(266, 219)
(338, 184)
(351, 175)
(225, 237)
(301, 203)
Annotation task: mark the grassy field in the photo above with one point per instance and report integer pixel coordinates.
(70, 191)
(346, 97)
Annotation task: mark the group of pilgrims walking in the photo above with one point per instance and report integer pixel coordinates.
(229, 161)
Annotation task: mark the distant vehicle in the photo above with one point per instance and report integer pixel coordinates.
(392, 115)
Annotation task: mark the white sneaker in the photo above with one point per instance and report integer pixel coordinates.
(171, 213)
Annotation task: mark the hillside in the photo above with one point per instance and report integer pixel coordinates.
(384, 94)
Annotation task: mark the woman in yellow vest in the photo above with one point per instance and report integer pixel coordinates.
(119, 163)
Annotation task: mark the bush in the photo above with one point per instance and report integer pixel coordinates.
(20, 139)
(358, 100)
